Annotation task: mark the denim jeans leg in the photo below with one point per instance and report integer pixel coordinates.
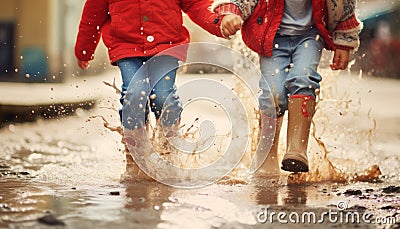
(134, 102)
(303, 77)
(274, 70)
(164, 100)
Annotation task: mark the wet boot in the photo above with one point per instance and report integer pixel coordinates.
(139, 147)
(301, 109)
(270, 167)
(168, 135)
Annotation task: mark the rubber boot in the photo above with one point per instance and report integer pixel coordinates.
(138, 146)
(301, 109)
(270, 167)
(165, 137)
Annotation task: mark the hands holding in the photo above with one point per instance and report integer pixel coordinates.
(230, 24)
(340, 59)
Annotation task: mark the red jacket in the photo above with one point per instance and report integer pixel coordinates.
(259, 30)
(131, 28)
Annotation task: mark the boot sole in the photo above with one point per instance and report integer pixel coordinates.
(293, 165)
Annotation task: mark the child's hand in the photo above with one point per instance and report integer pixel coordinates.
(230, 24)
(83, 64)
(340, 59)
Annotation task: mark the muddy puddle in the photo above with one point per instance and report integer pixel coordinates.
(72, 172)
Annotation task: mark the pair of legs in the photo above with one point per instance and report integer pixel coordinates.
(291, 77)
(149, 82)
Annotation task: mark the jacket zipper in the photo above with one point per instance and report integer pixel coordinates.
(268, 25)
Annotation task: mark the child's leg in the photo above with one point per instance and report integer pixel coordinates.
(303, 78)
(164, 99)
(273, 104)
(134, 101)
(302, 81)
(275, 70)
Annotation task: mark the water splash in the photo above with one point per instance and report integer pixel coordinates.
(322, 168)
(329, 163)
(331, 141)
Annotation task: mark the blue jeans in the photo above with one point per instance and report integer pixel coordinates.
(149, 82)
(291, 70)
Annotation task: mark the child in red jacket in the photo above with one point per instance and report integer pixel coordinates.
(289, 36)
(135, 32)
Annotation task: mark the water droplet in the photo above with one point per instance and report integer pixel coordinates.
(84, 52)
(167, 78)
(153, 96)
(143, 93)
(27, 75)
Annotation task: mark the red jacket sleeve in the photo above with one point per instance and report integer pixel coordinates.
(200, 13)
(94, 15)
(229, 8)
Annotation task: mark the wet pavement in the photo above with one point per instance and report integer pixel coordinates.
(72, 172)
